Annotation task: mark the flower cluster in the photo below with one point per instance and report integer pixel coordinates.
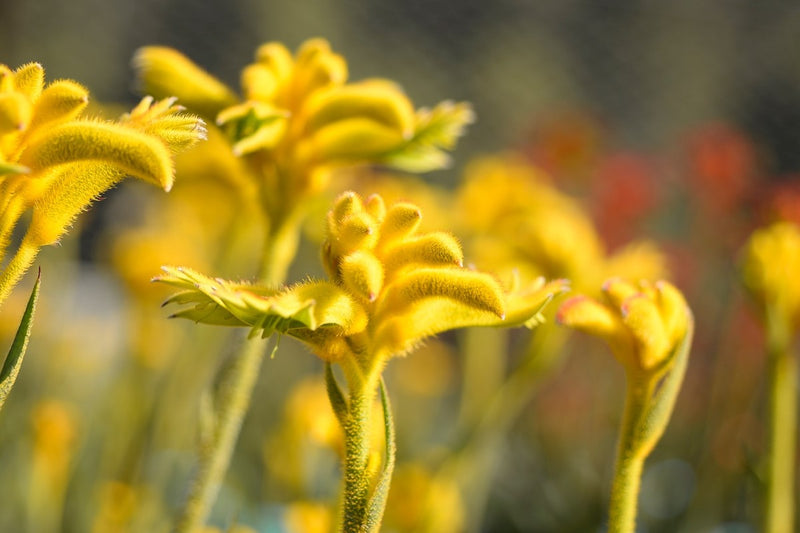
(299, 118)
(642, 324)
(770, 264)
(526, 223)
(390, 287)
(54, 162)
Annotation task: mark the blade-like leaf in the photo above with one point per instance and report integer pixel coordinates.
(377, 502)
(335, 395)
(10, 371)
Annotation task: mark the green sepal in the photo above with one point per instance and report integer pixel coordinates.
(13, 362)
(653, 421)
(338, 402)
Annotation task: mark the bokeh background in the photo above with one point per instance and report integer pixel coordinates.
(689, 111)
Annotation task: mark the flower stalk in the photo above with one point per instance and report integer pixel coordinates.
(649, 329)
(233, 400)
(782, 423)
(771, 259)
(629, 463)
(390, 287)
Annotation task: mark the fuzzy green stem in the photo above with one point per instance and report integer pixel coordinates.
(782, 376)
(362, 386)
(629, 463)
(17, 266)
(357, 445)
(624, 494)
(235, 393)
(233, 400)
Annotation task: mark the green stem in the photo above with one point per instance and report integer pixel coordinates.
(279, 251)
(357, 445)
(362, 385)
(782, 376)
(235, 392)
(233, 400)
(624, 494)
(629, 463)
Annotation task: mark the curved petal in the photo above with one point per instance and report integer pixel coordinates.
(126, 149)
(165, 72)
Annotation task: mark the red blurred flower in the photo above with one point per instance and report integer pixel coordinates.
(722, 166)
(565, 145)
(623, 192)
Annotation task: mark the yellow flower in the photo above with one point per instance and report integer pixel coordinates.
(513, 217)
(649, 329)
(118, 505)
(308, 517)
(643, 324)
(420, 502)
(300, 118)
(390, 287)
(55, 163)
(55, 428)
(770, 264)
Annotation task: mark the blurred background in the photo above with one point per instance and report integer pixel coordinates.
(678, 122)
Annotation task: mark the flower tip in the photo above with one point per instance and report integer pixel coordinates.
(563, 314)
(625, 308)
(609, 282)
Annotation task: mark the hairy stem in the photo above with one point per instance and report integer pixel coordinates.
(362, 384)
(629, 463)
(357, 445)
(782, 376)
(233, 400)
(236, 391)
(279, 252)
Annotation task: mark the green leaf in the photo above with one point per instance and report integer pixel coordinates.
(335, 395)
(436, 130)
(296, 311)
(377, 503)
(10, 371)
